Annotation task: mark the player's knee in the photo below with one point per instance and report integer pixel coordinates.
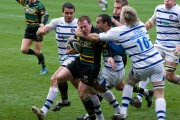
(24, 50)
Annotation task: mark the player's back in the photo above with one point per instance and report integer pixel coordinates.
(136, 42)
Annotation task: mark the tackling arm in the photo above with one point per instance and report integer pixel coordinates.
(92, 37)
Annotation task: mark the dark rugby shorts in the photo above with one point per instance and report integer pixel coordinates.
(30, 33)
(88, 74)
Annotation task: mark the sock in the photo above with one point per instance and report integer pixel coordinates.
(50, 98)
(126, 98)
(109, 97)
(142, 91)
(88, 104)
(30, 52)
(97, 108)
(160, 108)
(178, 79)
(41, 60)
(100, 98)
(63, 88)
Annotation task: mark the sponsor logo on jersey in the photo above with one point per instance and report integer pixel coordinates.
(162, 22)
(85, 79)
(63, 37)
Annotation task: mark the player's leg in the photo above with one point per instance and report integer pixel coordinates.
(158, 85)
(37, 49)
(101, 4)
(63, 76)
(63, 88)
(137, 101)
(83, 91)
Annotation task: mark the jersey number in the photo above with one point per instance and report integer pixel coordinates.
(143, 44)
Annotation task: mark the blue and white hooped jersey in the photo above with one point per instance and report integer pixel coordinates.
(117, 59)
(136, 42)
(63, 31)
(167, 26)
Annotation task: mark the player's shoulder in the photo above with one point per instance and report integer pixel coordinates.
(95, 30)
(159, 7)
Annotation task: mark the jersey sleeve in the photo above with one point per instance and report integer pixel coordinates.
(110, 35)
(42, 9)
(53, 24)
(22, 2)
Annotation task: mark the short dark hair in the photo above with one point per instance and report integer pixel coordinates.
(106, 18)
(68, 5)
(84, 17)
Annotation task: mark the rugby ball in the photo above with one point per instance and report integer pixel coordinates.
(74, 44)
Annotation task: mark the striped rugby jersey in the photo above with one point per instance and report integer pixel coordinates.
(136, 42)
(167, 26)
(63, 31)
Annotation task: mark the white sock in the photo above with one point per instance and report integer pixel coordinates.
(160, 108)
(109, 97)
(50, 98)
(97, 108)
(126, 97)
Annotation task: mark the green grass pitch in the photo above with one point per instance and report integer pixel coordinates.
(21, 85)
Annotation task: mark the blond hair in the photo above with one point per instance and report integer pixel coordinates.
(129, 16)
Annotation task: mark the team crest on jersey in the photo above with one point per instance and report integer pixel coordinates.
(72, 30)
(171, 16)
(85, 79)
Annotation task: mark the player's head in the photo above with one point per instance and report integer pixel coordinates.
(103, 22)
(129, 16)
(68, 11)
(85, 24)
(118, 4)
(169, 3)
(31, 1)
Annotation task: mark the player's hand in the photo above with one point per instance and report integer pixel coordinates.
(78, 32)
(177, 51)
(71, 51)
(111, 61)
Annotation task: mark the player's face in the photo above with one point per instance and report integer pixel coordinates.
(68, 14)
(99, 24)
(85, 27)
(117, 9)
(32, 1)
(169, 3)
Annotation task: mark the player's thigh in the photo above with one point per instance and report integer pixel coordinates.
(64, 75)
(75, 82)
(26, 43)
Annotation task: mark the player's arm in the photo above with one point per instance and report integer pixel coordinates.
(149, 24)
(43, 12)
(115, 22)
(92, 37)
(118, 49)
(42, 30)
(21, 1)
(152, 21)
